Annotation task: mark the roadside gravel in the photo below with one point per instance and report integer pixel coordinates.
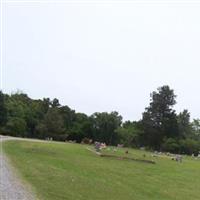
(11, 187)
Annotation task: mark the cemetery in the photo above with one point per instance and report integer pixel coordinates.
(67, 170)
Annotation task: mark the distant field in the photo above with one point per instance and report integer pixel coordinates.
(63, 171)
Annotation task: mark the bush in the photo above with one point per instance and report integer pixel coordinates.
(16, 127)
(189, 146)
(171, 145)
(60, 137)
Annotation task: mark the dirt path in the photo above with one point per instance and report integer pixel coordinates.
(11, 187)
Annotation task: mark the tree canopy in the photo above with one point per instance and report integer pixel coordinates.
(160, 128)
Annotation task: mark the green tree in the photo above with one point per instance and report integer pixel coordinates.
(55, 103)
(54, 123)
(82, 127)
(3, 110)
(196, 129)
(129, 134)
(68, 115)
(185, 127)
(16, 127)
(45, 105)
(189, 146)
(104, 126)
(159, 119)
(171, 145)
(41, 131)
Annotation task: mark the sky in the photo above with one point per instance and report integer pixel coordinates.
(97, 56)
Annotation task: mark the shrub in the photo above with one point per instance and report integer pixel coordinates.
(171, 145)
(189, 146)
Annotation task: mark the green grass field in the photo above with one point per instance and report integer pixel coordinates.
(71, 172)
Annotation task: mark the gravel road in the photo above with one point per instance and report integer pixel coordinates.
(11, 187)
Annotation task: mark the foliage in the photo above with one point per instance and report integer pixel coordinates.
(189, 146)
(104, 125)
(159, 119)
(160, 128)
(16, 126)
(171, 145)
(185, 127)
(129, 134)
(3, 110)
(196, 127)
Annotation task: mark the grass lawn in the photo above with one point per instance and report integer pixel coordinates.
(71, 172)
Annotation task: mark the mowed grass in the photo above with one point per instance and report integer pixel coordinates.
(71, 172)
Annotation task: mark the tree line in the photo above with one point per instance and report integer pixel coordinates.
(160, 127)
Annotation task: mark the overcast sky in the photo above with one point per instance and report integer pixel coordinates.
(103, 56)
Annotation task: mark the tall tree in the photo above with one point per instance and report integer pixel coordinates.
(159, 119)
(68, 115)
(54, 121)
(82, 127)
(3, 110)
(196, 127)
(185, 127)
(104, 125)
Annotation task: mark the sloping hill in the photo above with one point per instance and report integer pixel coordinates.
(11, 186)
(69, 171)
